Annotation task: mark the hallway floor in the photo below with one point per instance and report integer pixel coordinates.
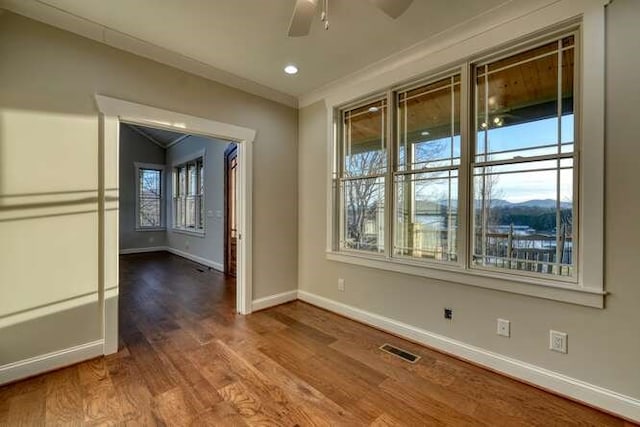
(187, 359)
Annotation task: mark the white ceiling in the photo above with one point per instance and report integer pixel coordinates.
(248, 38)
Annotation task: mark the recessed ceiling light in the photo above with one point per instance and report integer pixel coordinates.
(373, 109)
(424, 133)
(291, 69)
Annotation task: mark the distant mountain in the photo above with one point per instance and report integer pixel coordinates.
(542, 203)
(427, 205)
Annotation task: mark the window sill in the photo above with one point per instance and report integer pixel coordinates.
(189, 232)
(151, 229)
(514, 284)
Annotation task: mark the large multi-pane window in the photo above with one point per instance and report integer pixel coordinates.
(362, 179)
(426, 176)
(188, 195)
(476, 172)
(523, 165)
(149, 196)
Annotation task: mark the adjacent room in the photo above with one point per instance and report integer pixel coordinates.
(177, 225)
(319, 212)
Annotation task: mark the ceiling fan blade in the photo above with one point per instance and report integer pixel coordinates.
(303, 14)
(393, 8)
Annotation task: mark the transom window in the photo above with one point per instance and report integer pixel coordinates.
(475, 173)
(188, 195)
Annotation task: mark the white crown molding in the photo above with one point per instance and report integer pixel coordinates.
(514, 19)
(564, 385)
(64, 20)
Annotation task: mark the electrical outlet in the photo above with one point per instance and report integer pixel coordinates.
(448, 313)
(341, 284)
(504, 328)
(558, 341)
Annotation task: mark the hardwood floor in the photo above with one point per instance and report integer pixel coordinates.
(187, 359)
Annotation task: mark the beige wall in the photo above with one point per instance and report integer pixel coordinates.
(49, 177)
(604, 345)
(209, 246)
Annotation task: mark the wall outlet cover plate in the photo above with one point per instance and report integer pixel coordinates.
(558, 341)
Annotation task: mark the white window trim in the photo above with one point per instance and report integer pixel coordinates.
(178, 162)
(589, 15)
(163, 218)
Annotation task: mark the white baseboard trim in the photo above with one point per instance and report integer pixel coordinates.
(590, 394)
(195, 258)
(142, 250)
(272, 300)
(48, 362)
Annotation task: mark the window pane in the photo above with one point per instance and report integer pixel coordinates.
(428, 122)
(149, 196)
(427, 215)
(364, 146)
(523, 218)
(523, 210)
(201, 206)
(177, 212)
(188, 201)
(190, 212)
(193, 178)
(517, 104)
(567, 120)
(182, 180)
(149, 212)
(363, 214)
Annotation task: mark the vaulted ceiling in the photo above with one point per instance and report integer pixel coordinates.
(248, 38)
(161, 137)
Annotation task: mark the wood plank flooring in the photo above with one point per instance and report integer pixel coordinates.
(187, 359)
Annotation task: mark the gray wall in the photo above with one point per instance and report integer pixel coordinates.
(49, 224)
(210, 246)
(136, 148)
(604, 345)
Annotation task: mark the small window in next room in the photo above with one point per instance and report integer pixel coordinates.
(149, 196)
(188, 195)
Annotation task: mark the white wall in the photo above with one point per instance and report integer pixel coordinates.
(136, 148)
(49, 235)
(210, 246)
(604, 345)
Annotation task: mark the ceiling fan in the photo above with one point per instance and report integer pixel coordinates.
(305, 10)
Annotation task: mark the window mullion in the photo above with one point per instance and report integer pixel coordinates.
(389, 203)
(465, 225)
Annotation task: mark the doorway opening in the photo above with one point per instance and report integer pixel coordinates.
(116, 113)
(177, 215)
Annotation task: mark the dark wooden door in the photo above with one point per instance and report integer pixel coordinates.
(231, 231)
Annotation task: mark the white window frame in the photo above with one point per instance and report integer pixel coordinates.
(587, 18)
(161, 169)
(183, 161)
